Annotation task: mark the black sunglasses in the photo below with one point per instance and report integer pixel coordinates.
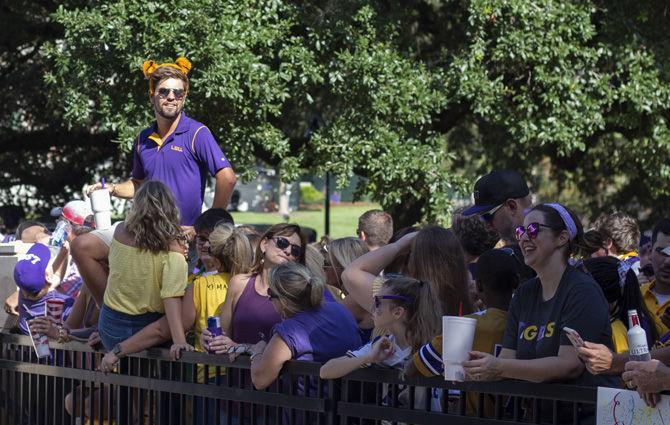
(488, 216)
(283, 243)
(164, 92)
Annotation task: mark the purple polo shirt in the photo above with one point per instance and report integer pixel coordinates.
(182, 162)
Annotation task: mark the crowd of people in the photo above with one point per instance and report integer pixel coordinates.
(523, 270)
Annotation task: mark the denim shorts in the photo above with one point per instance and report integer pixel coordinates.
(115, 327)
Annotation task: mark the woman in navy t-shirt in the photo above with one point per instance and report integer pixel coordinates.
(311, 330)
(535, 347)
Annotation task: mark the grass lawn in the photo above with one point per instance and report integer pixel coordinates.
(343, 219)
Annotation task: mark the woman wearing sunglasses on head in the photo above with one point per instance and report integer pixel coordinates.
(406, 307)
(535, 348)
(311, 330)
(247, 314)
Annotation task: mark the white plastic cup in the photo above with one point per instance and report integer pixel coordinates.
(40, 343)
(458, 334)
(101, 204)
(103, 220)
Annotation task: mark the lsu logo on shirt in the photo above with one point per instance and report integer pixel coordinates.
(176, 148)
(534, 333)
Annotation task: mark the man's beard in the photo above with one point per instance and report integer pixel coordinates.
(169, 115)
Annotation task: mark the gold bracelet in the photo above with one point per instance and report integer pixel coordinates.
(63, 335)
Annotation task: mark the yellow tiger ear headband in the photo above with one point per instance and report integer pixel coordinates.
(149, 67)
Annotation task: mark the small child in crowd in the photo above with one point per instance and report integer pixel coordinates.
(204, 225)
(30, 277)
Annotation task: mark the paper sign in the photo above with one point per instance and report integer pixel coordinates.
(624, 407)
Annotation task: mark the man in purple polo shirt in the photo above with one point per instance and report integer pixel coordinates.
(176, 149)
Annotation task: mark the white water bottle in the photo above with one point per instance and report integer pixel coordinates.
(637, 339)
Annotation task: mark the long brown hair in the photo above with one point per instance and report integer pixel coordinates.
(422, 309)
(281, 229)
(153, 220)
(437, 258)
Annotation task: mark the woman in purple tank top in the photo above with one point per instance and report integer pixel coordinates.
(247, 315)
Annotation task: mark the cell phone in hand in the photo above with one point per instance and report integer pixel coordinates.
(574, 337)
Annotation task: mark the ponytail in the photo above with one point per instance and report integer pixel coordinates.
(232, 248)
(422, 309)
(296, 288)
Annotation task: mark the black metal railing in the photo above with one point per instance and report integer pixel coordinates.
(148, 388)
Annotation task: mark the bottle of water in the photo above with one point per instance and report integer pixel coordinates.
(60, 233)
(637, 339)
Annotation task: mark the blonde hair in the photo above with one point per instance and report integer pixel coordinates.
(422, 309)
(345, 250)
(232, 248)
(296, 288)
(153, 220)
(314, 262)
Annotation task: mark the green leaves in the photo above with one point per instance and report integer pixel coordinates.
(419, 98)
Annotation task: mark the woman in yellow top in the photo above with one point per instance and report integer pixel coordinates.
(622, 291)
(147, 271)
(230, 254)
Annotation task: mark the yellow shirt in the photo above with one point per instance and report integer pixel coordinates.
(619, 336)
(140, 280)
(654, 307)
(209, 293)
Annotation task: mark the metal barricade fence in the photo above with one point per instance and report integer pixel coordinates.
(148, 388)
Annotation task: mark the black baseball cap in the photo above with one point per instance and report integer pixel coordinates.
(495, 188)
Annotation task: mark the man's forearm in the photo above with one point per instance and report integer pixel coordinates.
(126, 190)
(225, 183)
